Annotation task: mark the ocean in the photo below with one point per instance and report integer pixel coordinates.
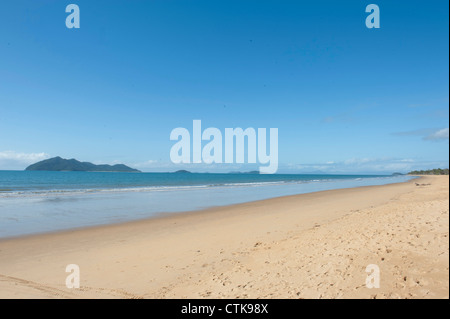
(39, 201)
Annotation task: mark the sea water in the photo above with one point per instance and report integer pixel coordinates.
(37, 201)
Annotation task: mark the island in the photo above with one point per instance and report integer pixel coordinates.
(182, 171)
(72, 165)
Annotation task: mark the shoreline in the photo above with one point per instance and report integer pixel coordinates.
(169, 214)
(313, 245)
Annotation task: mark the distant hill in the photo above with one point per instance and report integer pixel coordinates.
(397, 174)
(182, 171)
(61, 164)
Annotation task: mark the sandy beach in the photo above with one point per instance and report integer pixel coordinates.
(315, 245)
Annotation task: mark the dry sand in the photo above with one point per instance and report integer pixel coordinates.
(305, 246)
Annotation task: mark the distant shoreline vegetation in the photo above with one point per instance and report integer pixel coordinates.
(436, 171)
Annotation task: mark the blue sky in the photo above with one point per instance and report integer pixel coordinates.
(345, 98)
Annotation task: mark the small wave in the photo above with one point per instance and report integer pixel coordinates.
(74, 192)
(9, 193)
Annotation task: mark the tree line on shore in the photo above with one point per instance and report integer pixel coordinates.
(436, 171)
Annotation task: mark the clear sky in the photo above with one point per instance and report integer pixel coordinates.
(345, 98)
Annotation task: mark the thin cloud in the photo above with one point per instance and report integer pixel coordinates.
(23, 157)
(427, 134)
(17, 160)
(363, 166)
(441, 135)
(420, 132)
(147, 164)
